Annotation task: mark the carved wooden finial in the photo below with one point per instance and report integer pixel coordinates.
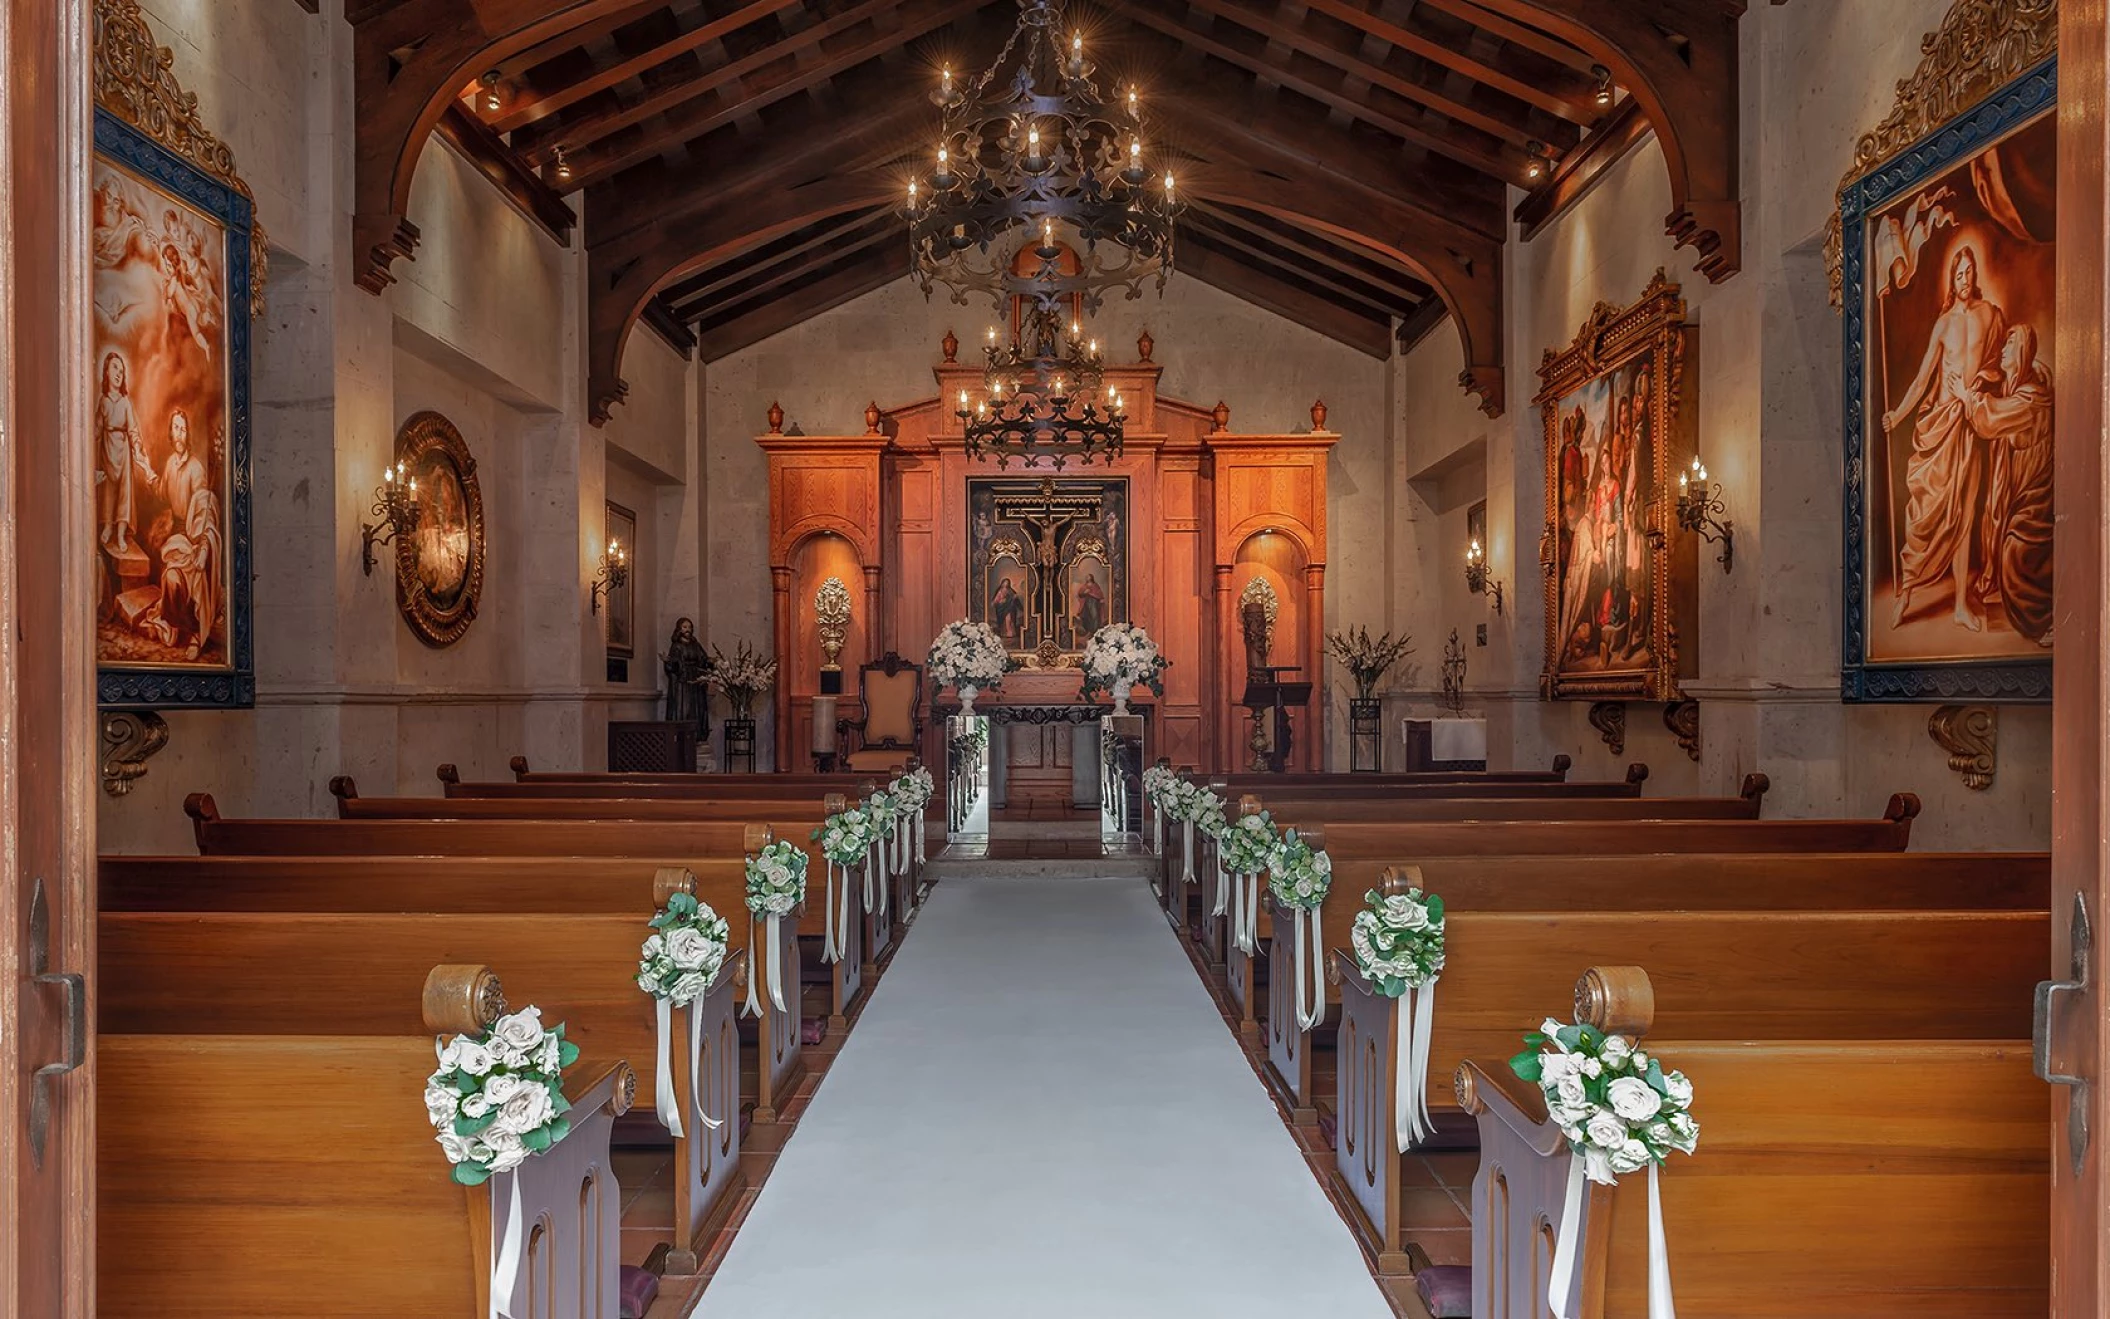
(872, 418)
(1318, 415)
(776, 418)
(1397, 880)
(1618, 1000)
(756, 837)
(670, 880)
(462, 999)
(1222, 415)
(951, 344)
(1144, 344)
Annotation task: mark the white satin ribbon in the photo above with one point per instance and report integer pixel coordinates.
(663, 1097)
(871, 865)
(776, 968)
(1157, 830)
(1223, 886)
(1245, 912)
(1414, 1022)
(505, 1270)
(1311, 986)
(919, 836)
(1660, 1303)
(831, 934)
(1186, 851)
(772, 969)
(754, 973)
(696, 1066)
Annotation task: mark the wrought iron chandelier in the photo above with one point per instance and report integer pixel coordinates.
(1041, 398)
(1030, 158)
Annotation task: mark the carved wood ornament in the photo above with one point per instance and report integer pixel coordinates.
(1682, 718)
(1970, 734)
(1609, 719)
(438, 599)
(1980, 47)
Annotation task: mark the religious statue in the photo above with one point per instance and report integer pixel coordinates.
(687, 665)
(1259, 635)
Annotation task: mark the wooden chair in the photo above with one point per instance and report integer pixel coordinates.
(890, 692)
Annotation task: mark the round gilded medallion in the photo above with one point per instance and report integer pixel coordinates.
(440, 565)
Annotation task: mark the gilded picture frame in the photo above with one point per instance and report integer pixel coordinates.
(1618, 414)
(440, 566)
(1947, 485)
(178, 264)
(620, 602)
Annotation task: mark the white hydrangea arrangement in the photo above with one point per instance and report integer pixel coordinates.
(677, 966)
(498, 1097)
(1398, 942)
(1121, 656)
(1619, 1109)
(776, 883)
(968, 654)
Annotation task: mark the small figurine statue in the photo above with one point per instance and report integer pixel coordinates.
(687, 664)
(1259, 637)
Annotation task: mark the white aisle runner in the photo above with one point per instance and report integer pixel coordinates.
(1041, 1114)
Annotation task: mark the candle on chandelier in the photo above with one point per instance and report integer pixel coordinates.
(1131, 100)
(1168, 184)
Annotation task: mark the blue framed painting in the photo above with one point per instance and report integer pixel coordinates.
(172, 284)
(1948, 265)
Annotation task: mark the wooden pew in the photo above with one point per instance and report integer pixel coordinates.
(792, 821)
(1832, 1180)
(1557, 802)
(744, 787)
(267, 973)
(297, 1174)
(1726, 975)
(700, 840)
(598, 885)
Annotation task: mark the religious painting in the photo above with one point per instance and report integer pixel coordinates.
(1617, 410)
(440, 565)
(1047, 561)
(1947, 280)
(171, 293)
(620, 607)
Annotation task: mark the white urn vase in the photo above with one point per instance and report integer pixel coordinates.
(967, 694)
(1121, 690)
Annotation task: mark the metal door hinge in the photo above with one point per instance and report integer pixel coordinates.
(2082, 938)
(72, 989)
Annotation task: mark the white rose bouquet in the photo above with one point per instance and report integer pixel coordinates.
(914, 791)
(1243, 850)
(678, 965)
(1120, 656)
(1158, 780)
(967, 654)
(845, 839)
(499, 1097)
(776, 882)
(1398, 946)
(885, 812)
(1621, 1113)
(1299, 876)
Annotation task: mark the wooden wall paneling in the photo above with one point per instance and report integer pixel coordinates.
(1187, 618)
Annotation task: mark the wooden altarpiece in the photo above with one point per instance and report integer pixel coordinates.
(1206, 511)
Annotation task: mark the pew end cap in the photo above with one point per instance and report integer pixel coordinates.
(519, 766)
(1396, 880)
(1562, 763)
(201, 808)
(756, 837)
(1618, 1000)
(835, 803)
(344, 788)
(1637, 772)
(462, 998)
(670, 880)
(449, 774)
(1249, 804)
(1755, 787)
(1904, 808)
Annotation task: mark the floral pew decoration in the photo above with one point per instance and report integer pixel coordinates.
(1299, 876)
(495, 1100)
(1157, 783)
(1120, 657)
(1398, 945)
(776, 883)
(1200, 810)
(883, 813)
(1620, 1113)
(677, 966)
(914, 791)
(845, 839)
(1244, 852)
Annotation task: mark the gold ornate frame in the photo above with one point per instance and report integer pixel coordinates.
(425, 436)
(1612, 337)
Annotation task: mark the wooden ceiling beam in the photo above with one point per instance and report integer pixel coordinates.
(513, 70)
(1254, 248)
(1299, 37)
(1412, 125)
(486, 151)
(533, 109)
(1396, 285)
(1516, 33)
(1573, 99)
(763, 283)
(1289, 299)
(867, 272)
(689, 296)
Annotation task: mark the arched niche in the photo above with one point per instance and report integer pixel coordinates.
(813, 560)
(1278, 556)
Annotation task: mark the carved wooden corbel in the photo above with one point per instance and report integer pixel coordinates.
(1682, 718)
(130, 739)
(1969, 733)
(1609, 719)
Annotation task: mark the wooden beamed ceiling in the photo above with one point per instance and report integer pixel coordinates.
(738, 163)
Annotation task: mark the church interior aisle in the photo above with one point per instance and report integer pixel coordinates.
(1041, 1114)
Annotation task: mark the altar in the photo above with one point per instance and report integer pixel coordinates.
(1187, 520)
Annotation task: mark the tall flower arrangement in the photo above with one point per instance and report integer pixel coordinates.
(1398, 943)
(742, 676)
(776, 883)
(1367, 660)
(1121, 656)
(1621, 1112)
(677, 966)
(968, 655)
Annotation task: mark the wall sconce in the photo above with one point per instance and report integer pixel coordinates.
(1476, 579)
(396, 504)
(1700, 510)
(615, 570)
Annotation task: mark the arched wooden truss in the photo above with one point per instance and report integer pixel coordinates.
(736, 157)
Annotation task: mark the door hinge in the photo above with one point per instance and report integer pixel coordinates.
(2082, 938)
(73, 993)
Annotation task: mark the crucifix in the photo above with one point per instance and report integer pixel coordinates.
(1048, 518)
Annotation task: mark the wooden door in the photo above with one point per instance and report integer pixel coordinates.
(47, 716)
(2072, 1039)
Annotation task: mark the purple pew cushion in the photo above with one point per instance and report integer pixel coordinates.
(1447, 1289)
(812, 1030)
(636, 1291)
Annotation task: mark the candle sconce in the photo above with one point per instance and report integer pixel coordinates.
(1476, 577)
(396, 505)
(615, 570)
(1700, 510)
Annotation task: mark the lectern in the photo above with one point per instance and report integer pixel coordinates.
(1267, 694)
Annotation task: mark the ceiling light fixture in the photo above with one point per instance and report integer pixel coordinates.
(493, 102)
